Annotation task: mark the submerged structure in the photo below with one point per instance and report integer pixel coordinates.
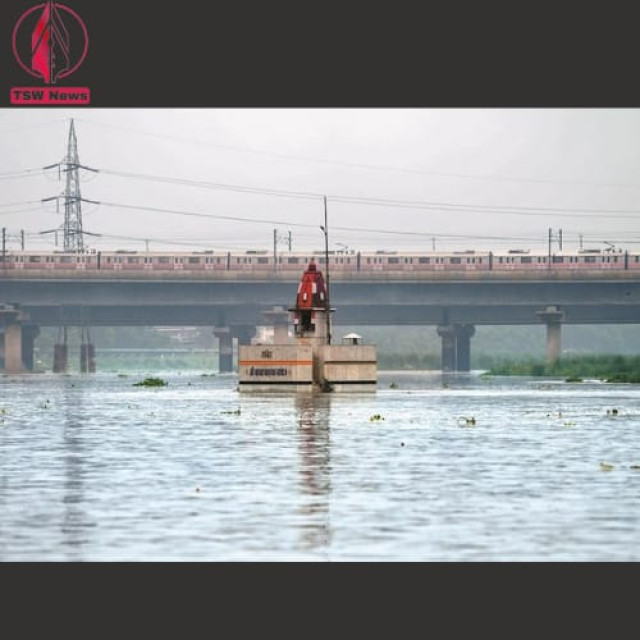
(307, 360)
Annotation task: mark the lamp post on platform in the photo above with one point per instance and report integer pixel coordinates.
(325, 230)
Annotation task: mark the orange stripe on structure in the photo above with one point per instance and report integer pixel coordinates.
(291, 362)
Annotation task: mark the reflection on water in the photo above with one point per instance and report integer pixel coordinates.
(430, 467)
(313, 412)
(75, 523)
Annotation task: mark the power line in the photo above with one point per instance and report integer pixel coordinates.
(367, 166)
(568, 212)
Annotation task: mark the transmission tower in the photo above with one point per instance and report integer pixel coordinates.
(73, 240)
(73, 235)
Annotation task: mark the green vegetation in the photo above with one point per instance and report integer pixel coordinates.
(151, 382)
(610, 368)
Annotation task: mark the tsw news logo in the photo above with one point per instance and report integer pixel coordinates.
(50, 42)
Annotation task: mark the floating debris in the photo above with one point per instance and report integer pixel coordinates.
(635, 466)
(393, 385)
(466, 422)
(606, 466)
(612, 412)
(376, 417)
(232, 412)
(151, 382)
(574, 379)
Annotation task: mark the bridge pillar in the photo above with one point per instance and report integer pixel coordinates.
(225, 349)
(60, 358)
(13, 348)
(278, 317)
(243, 333)
(29, 334)
(553, 318)
(463, 334)
(87, 357)
(448, 335)
(11, 319)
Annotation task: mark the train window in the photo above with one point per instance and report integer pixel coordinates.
(589, 258)
(637, 259)
(393, 260)
(132, 260)
(479, 260)
(34, 258)
(194, 260)
(263, 260)
(455, 260)
(163, 260)
(292, 260)
(558, 259)
(424, 260)
(525, 259)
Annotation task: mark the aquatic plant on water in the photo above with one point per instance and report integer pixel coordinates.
(151, 382)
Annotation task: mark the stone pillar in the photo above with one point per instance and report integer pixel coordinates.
(553, 318)
(225, 349)
(29, 334)
(13, 348)
(463, 346)
(448, 335)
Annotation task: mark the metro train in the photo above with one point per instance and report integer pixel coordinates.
(340, 262)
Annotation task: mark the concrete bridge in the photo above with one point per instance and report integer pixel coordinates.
(235, 304)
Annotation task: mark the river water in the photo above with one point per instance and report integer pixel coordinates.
(427, 468)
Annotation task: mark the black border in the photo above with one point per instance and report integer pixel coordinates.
(143, 53)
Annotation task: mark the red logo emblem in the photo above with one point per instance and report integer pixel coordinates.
(50, 42)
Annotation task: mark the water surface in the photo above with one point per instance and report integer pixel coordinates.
(428, 468)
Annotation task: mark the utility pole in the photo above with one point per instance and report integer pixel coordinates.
(22, 239)
(327, 306)
(289, 240)
(275, 249)
(4, 246)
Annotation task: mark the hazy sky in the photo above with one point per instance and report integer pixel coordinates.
(394, 178)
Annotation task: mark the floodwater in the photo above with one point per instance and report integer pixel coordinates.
(427, 468)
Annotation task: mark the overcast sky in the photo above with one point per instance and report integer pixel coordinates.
(393, 178)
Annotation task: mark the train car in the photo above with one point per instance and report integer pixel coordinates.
(262, 262)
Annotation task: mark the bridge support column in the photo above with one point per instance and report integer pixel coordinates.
(13, 348)
(29, 334)
(243, 333)
(225, 349)
(463, 333)
(87, 352)
(448, 335)
(87, 357)
(553, 318)
(278, 317)
(12, 319)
